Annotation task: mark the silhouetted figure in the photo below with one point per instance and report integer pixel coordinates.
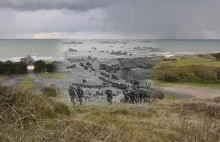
(80, 94)
(109, 96)
(72, 94)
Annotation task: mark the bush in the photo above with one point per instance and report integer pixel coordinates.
(9, 67)
(49, 91)
(50, 67)
(204, 74)
(216, 55)
(195, 73)
(39, 66)
(171, 77)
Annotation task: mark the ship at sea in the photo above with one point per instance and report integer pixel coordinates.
(73, 42)
(113, 42)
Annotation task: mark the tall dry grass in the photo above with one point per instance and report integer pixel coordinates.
(29, 117)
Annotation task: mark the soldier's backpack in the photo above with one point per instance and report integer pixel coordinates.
(71, 92)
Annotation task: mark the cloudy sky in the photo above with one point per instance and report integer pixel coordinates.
(93, 19)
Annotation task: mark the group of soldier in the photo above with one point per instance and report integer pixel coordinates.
(129, 96)
(134, 96)
(76, 94)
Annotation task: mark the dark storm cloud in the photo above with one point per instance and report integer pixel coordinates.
(118, 18)
(166, 18)
(80, 5)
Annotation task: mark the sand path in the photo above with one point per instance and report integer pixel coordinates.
(198, 92)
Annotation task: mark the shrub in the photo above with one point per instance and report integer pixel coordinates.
(13, 68)
(49, 91)
(204, 74)
(195, 73)
(171, 76)
(216, 55)
(50, 67)
(39, 66)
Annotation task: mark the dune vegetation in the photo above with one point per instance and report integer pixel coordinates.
(25, 116)
(195, 69)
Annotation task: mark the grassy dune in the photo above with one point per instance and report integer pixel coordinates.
(204, 85)
(193, 70)
(30, 117)
(191, 62)
(1, 77)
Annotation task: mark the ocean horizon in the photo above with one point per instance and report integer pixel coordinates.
(54, 49)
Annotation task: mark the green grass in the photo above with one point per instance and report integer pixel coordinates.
(191, 62)
(1, 77)
(170, 97)
(26, 78)
(28, 85)
(52, 75)
(204, 85)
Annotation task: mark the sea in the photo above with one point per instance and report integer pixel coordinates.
(55, 49)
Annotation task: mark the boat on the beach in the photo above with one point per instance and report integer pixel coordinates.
(73, 42)
(156, 50)
(142, 48)
(93, 48)
(72, 66)
(118, 53)
(72, 50)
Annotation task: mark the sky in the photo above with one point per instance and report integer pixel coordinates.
(110, 19)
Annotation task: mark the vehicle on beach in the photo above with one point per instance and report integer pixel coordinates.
(72, 50)
(118, 53)
(72, 66)
(93, 48)
(156, 50)
(142, 48)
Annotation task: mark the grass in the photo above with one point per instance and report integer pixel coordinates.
(204, 85)
(1, 77)
(190, 62)
(26, 78)
(30, 117)
(28, 85)
(170, 97)
(52, 75)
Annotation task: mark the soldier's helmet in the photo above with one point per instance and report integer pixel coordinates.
(78, 87)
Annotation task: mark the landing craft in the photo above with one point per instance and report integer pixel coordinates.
(72, 42)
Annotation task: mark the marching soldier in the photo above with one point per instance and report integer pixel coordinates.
(109, 96)
(80, 94)
(72, 95)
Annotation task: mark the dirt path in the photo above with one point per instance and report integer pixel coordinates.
(198, 92)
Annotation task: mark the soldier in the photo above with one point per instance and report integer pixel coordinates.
(126, 96)
(136, 97)
(109, 96)
(80, 94)
(140, 96)
(132, 97)
(72, 94)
